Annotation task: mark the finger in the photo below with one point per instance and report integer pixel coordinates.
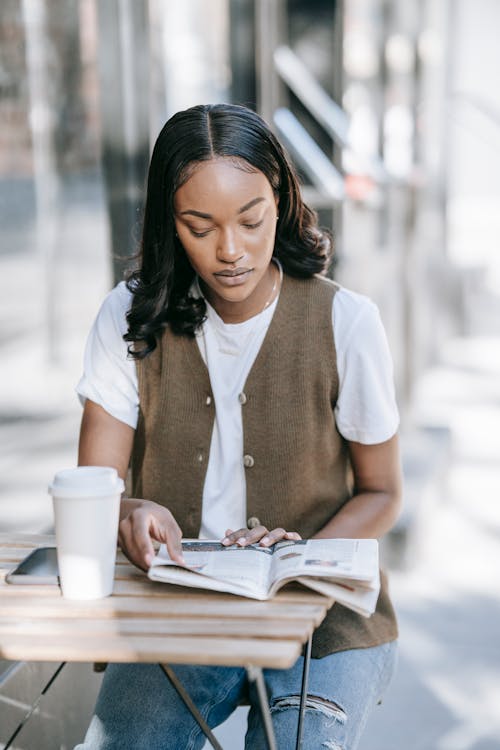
(251, 536)
(277, 534)
(272, 537)
(142, 547)
(135, 543)
(174, 546)
(141, 526)
(233, 536)
(168, 532)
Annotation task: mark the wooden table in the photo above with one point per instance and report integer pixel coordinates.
(145, 621)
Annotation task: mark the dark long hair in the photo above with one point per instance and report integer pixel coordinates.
(160, 285)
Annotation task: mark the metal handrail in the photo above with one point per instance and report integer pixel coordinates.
(324, 109)
(309, 156)
(312, 95)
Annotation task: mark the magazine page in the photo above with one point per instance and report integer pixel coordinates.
(211, 565)
(361, 600)
(338, 559)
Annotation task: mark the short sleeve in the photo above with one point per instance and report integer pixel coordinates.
(366, 410)
(109, 374)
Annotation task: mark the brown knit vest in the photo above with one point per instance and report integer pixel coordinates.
(296, 461)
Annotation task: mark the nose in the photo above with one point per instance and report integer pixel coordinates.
(228, 248)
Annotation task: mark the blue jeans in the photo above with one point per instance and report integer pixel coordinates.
(138, 709)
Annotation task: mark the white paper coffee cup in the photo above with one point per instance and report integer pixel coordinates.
(86, 512)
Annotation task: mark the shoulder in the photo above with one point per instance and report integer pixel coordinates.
(119, 299)
(353, 311)
(349, 307)
(313, 293)
(366, 410)
(359, 334)
(114, 308)
(358, 330)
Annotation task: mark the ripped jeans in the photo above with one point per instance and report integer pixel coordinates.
(138, 709)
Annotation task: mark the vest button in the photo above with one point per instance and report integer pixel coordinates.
(208, 401)
(200, 458)
(242, 398)
(253, 522)
(248, 461)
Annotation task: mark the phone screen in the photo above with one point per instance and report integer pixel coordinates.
(40, 566)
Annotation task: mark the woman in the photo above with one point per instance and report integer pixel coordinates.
(255, 404)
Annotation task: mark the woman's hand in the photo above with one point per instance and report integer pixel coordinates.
(141, 521)
(259, 534)
(106, 441)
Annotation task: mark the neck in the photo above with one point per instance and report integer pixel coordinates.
(260, 299)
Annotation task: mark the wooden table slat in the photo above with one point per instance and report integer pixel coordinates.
(272, 653)
(115, 607)
(212, 627)
(8, 539)
(152, 590)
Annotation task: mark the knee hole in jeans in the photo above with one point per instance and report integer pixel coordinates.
(313, 703)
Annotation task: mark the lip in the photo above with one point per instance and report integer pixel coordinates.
(233, 277)
(232, 271)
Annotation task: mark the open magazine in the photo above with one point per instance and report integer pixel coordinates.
(345, 569)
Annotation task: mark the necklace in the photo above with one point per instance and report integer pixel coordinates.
(280, 279)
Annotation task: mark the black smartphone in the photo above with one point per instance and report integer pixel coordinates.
(40, 566)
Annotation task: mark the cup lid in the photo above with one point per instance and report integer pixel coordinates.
(84, 481)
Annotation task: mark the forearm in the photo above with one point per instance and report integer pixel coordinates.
(367, 515)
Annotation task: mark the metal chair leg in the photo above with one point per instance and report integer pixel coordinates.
(255, 675)
(303, 692)
(33, 707)
(184, 695)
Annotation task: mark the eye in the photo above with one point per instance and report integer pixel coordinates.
(199, 234)
(253, 226)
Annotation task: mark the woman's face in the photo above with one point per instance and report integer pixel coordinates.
(226, 221)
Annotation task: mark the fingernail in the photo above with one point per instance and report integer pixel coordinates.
(241, 540)
(225, 540)
(264, 540)
(148, 560)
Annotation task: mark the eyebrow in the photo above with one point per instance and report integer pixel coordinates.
(241, 210)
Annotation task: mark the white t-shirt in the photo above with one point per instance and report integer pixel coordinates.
(366, 410)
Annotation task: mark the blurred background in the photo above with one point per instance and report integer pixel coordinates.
(391, 111)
